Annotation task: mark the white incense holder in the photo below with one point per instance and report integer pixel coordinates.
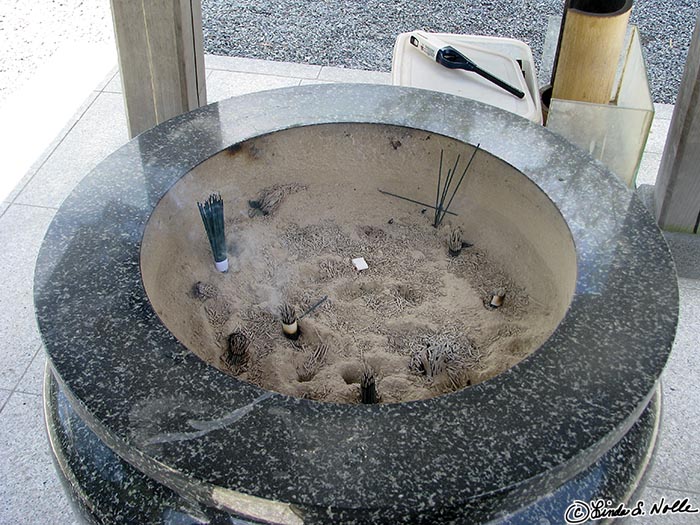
(222, 266)
(290, 329)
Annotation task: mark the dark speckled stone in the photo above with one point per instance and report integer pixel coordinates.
(473, 455)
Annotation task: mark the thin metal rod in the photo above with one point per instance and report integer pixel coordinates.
(446, 187)
(463, 174)
(410, 200)
(437, 191)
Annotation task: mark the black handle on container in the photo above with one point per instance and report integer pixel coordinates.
(453, 59)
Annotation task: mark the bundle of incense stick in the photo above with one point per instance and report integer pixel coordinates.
(290, 326)
(236, 353)
(368, 387)
(443, 189)
(455, 243)
(212, 212)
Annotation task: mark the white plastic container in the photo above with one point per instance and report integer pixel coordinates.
(508, 59)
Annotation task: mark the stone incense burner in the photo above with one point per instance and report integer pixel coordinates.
(144, 430)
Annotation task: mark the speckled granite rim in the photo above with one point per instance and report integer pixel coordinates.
(209, 435)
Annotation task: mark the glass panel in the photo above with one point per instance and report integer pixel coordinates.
(615, 134)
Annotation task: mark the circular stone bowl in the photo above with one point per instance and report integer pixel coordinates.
(342, 170)
(143, 430)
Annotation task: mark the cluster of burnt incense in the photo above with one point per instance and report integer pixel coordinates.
(438, 362)
(212, 213)
(236, 354)
(368, 387)
(311, 365)
(456, 242)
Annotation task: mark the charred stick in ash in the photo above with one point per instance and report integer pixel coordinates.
(290, 326)
(236, 354)
(212, 213)
(314, 306)
(368, 387)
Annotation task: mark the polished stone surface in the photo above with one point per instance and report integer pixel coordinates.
(102, 486)
(201, 432)
(107, 489)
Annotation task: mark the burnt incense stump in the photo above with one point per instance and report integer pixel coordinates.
(148, 427)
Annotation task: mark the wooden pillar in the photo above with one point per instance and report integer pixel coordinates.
(161, 59)
(677, 192)
(591, 39)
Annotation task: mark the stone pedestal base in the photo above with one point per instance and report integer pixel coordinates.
(106, 489)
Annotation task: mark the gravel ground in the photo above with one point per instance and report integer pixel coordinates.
(349, 33)
(32, 31)
(361, 34)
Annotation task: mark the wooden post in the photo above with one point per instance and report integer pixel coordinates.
(677, 191)
(161, 59)
(592, 37)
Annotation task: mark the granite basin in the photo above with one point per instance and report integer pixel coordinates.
(145, 431)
